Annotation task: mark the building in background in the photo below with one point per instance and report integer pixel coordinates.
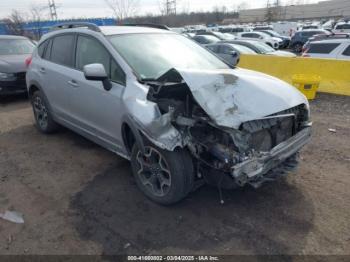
(322, 10)
(37, 28)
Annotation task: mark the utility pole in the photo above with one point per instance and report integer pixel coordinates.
(53, 10)
(170, 7)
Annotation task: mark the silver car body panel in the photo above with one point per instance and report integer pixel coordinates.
(230, 97)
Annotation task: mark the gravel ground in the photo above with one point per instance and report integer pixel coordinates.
(78, 198)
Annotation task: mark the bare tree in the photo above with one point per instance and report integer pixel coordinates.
(37, 14)
(14, 23)
(123, 9)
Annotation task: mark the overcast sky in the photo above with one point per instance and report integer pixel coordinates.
(98, 8)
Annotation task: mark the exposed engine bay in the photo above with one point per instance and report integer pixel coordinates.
(228, 157)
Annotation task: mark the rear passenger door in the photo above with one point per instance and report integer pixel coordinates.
(94, 109)
(55, 70)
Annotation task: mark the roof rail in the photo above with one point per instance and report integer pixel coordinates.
(157, 26)
(70, 25)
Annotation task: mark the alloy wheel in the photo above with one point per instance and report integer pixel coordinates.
(41, 113)
(154, 172)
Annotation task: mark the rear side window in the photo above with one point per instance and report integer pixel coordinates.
(347, 51)
(251, 35)
(344, 26)
(41, 49)
(322, 48)
(62, 50)
(47, 53)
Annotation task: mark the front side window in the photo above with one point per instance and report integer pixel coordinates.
(91, 51)
(152, 55)
(62, 50)
(16, 47)
(322, 48)
(41, 48)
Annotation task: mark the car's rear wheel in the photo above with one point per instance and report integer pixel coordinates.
(298, 47)
(163, 176)
(43, 118)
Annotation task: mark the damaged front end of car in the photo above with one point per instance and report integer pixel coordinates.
(241, 127)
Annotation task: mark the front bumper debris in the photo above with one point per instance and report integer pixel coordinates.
(256, 168)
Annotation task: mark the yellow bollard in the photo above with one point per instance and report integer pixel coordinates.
(307, 84)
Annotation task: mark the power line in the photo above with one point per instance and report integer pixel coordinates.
(53, 9)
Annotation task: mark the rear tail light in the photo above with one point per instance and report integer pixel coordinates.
(28, 61)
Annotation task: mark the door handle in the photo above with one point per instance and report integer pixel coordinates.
(42, 70)
(73, 83)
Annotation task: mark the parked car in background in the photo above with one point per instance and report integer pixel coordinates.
(285, 39)
(221, 36)
(310, 26)
(261, 48)
(205, 39)
(175, 110)
(330, 48)
(301, 37)
(234, 29)
(263, 27)
(262, 37)
(230, 53)
(342, 27)
(14, 51)
(285, 28)
(324, 37)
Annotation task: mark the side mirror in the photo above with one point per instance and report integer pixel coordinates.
(97, 72)
(234, 53)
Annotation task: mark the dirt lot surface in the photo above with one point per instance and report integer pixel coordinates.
(78, 198)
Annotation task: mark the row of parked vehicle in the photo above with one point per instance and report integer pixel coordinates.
(309, 42)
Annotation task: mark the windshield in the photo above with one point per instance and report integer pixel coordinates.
(243, 49)
(16, 47)
(152, 55)
(211, 39)
(262, 47)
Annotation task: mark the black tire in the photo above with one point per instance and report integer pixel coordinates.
(179, 163)
(43, 118)
(298, 47)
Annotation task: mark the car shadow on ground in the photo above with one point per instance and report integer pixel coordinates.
(112, 212)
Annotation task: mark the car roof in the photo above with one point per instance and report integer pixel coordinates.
(119, 30)
(108, 31)
(3, 37)
(312, 30)
(329, 41)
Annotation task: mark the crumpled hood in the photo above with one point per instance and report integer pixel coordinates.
(234, 96)
(13, 63)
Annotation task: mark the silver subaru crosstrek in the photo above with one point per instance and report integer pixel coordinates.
(181, 115)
